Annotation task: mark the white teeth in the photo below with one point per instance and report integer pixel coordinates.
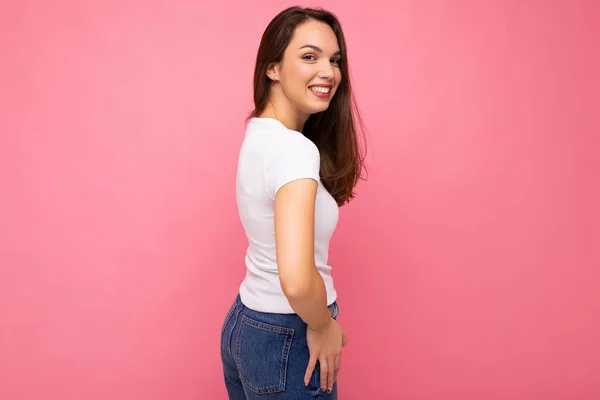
(320, 89)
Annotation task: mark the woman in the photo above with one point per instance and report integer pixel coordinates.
(298, 163)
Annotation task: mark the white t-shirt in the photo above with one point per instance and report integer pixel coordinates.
(272, 155)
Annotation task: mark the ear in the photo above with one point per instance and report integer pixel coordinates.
(273, 72)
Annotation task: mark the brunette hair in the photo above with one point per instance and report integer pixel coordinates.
(335, 130)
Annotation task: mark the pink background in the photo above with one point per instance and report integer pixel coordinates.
(468, 266)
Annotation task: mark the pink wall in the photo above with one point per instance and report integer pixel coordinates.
(468, 267)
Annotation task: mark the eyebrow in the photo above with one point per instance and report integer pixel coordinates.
(315, 48)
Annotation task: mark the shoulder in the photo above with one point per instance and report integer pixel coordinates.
(277, 141)
(286, 155)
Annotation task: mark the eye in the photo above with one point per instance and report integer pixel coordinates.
(307, 57)
(336, 61)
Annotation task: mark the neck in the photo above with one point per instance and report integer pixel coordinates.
(279, 108)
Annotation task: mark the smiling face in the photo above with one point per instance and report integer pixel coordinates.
(309, 74)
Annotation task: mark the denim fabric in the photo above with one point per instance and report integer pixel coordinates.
(265, 356)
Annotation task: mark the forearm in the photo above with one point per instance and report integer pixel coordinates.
(308, 299)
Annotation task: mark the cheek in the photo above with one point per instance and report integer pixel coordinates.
(297, 77)
(305, 73)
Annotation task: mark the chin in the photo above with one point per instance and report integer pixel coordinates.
(318, 108)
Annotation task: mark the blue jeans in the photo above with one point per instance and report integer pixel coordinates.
(265, 356)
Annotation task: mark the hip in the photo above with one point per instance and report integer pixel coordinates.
(268, 350)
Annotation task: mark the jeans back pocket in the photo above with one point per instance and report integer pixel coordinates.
(262, 355)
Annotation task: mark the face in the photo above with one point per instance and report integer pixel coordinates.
(309, 74)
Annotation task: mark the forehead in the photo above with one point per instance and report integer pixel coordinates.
(315, 33)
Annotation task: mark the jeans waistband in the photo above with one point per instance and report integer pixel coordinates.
(334, 308)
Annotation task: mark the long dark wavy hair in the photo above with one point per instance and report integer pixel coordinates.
(334, 131)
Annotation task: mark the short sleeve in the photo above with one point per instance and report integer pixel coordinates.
(298, 159)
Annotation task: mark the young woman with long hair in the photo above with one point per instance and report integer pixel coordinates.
(299, 162)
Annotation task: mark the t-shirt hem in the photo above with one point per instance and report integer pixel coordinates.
(275, 310)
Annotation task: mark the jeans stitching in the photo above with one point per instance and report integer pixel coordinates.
(237, 316)
(227, 318)
(285, 356)
(225, 322)
(265, 326)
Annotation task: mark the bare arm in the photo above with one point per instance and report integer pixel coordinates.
(294, 237)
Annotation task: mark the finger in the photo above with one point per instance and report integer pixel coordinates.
(324, 371)
(338, 365)
(309, 370)
(330, 374)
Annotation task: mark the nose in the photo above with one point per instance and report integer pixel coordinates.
(326, 71)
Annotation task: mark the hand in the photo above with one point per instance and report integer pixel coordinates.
(325, 345)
